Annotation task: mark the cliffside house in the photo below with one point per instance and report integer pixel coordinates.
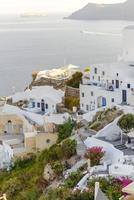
(40, 99)
(107, 85)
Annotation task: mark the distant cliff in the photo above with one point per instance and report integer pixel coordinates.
(119, 11)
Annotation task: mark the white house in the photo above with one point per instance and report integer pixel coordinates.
(41, 99)
(107, 85)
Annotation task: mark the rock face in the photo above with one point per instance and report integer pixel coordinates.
(119, 11)
(57, 84)
(48, 173)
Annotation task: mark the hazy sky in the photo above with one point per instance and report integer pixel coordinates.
(20, 6)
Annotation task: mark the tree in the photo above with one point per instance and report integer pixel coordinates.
(126, 123)
(69, 148)
(75, 80)
(65, 130)
(95, 154)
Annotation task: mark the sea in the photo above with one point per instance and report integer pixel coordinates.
(30, 44)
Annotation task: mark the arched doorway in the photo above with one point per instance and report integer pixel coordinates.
(101, 102)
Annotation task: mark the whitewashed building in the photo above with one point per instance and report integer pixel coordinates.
(111, 84)
(107, 85)
(41, 99)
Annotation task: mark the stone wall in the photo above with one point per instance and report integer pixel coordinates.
(72, 92)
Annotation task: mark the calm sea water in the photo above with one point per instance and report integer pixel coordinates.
(28, 44)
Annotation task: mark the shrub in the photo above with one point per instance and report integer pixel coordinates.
(85, 195)
(109, 186)
(96, 126)
(69, 148)
(57, 167)
(95, 154)
(71, 102)
(73, 179)
(25, 161)
(75, 80)
(65, 130)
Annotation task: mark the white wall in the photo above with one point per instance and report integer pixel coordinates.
(110, 129)
(111, 153)
(98, 92)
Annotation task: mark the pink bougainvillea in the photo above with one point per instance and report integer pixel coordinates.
(124, 181)
(95, 154)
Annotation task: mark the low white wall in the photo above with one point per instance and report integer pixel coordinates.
(110, 129)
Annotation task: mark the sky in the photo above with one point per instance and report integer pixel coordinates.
(21, 6)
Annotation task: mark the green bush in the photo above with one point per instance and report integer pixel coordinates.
(109, 186)
(65, 130)
(73, 179)
(78, 195)
(71, 102)
(69, 148)
(57, 167)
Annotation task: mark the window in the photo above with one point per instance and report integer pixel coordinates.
(83, 94)
(112, 100)
(38, 104)
(93, 77)
(95, 70)
(92, 94)
(46, 106)
(87, 107)
(98, 78)
(112, 82)
(103, 73)
(117, 74)
(33, 104)
(82, 105)
(128, 86)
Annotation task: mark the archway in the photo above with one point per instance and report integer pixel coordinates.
(101, 102)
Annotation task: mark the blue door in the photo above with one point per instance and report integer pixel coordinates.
(104, 101)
